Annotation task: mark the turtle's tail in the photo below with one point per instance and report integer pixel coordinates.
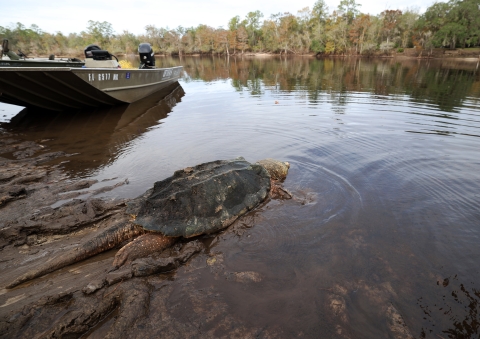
(100, 243)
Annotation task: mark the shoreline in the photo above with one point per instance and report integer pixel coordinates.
(411, 53)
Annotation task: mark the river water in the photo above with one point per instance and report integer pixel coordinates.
(382, 236)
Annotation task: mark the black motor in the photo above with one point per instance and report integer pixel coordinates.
(147, 58)
(88, 50)
(102, 55)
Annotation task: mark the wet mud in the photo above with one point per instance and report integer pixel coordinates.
(45, 214)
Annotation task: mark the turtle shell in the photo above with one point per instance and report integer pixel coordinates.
(202, 199)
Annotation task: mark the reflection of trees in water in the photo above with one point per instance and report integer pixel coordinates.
(445, 85)
(253, 86)
(459, 311)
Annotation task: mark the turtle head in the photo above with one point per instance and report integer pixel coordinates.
(278, 170)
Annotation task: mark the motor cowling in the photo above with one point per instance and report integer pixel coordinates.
(101, 55)
(147, 57)
(88, 50)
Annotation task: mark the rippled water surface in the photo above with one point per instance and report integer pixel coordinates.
(382, 238)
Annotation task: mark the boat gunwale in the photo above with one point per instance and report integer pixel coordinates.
(81, 69)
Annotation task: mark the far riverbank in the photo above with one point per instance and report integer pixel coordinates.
(464, 54)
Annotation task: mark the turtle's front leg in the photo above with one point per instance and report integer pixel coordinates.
(277, 191)
(143, 246)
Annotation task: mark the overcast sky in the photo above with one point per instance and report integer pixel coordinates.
(71, 16)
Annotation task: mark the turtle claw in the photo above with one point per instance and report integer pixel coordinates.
(278, 192)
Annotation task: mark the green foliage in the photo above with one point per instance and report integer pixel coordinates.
(99, 32)
(317, 47)
(330, 47)
(234, 23)
(349, 8)
(253, 26)
(320, 11)
(452, 24)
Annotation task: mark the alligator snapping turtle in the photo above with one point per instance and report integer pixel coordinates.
(196, 200)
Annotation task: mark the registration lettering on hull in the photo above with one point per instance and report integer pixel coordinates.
(102, 77)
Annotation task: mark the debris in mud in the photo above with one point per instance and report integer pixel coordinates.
(245, 277)
(397, 325)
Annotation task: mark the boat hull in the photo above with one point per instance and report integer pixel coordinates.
(74, 88)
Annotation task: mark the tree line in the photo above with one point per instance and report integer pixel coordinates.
(342, 31)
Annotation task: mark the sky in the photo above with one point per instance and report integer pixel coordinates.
(69, 16)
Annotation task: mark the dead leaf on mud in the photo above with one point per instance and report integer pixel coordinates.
(248, 276)
(397, 325)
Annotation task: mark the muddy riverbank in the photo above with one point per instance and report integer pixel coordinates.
(44, 214)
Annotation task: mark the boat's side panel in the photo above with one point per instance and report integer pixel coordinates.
(66, 88)
(49, 88)
(129, 85)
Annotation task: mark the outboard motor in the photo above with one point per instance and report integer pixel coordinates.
(88, 50)
(147, 58)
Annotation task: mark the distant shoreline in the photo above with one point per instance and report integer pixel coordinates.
(468, 54)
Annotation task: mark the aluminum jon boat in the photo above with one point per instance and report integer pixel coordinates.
(59, 88)
(100, 83)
